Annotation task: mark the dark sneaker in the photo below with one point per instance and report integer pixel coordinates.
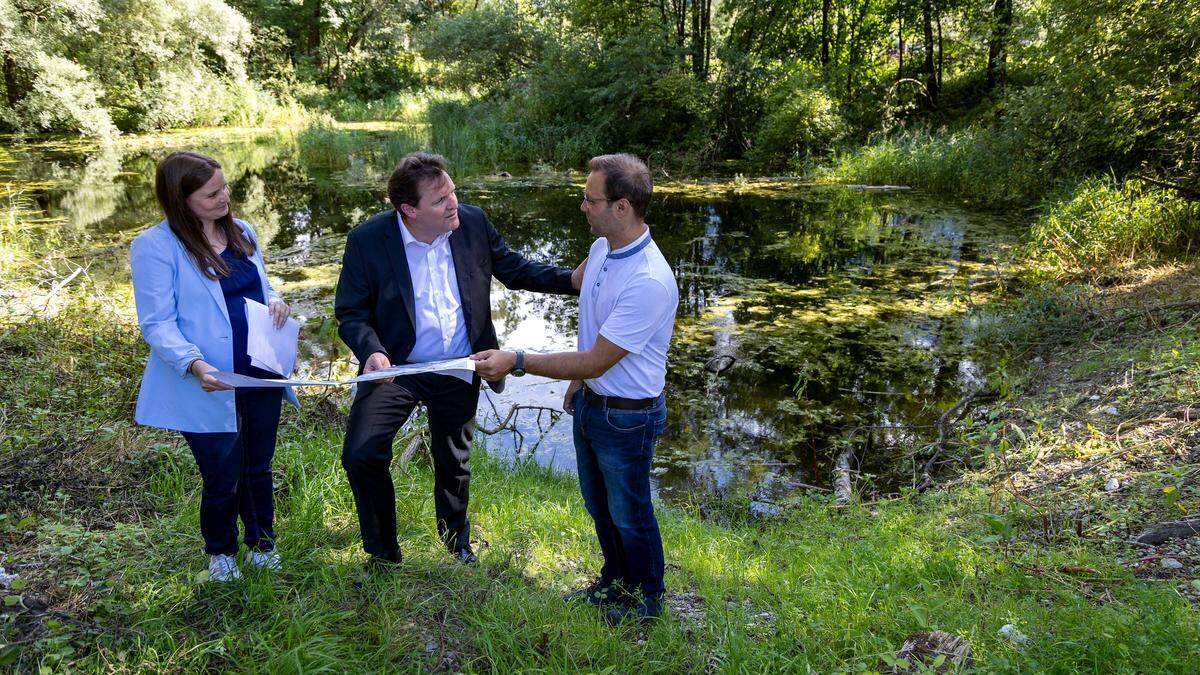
(601, 593)
(645, 610)
(466, 556)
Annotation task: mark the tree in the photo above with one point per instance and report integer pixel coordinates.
(997, 63)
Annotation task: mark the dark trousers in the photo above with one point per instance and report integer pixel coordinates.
(236, 469)
(378, 412)
(613, 450)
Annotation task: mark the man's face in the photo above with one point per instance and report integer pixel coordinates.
(437, 211)
(597, 208)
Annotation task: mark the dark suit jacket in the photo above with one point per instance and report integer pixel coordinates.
(374, 300)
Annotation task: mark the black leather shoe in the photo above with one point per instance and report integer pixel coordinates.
(377, 564)
(465, 556)
(645, 610)
(601, 593)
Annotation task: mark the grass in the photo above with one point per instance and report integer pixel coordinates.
(981, 166)
(407, 106)
(326, 145)
(113, 563)
(1100, 222)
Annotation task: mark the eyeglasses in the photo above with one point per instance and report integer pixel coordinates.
(592, 202)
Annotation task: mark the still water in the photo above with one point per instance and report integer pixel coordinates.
(810, 317)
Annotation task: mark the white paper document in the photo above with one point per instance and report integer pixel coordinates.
(270, 348)
(461, 368)
(236, 380)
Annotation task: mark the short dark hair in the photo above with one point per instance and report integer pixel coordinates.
(416, 169)
(625, 177)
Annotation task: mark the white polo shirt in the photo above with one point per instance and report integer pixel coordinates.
(629, 296)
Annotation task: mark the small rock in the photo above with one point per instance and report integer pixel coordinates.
(1112, 410)
(1112, 485)
(430, 648)
(1171, 564)
(7, 579)
(1094, 397)
(1009, 632)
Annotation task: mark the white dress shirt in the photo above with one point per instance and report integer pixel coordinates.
(441, 329)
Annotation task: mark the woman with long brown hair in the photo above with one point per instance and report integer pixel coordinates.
(192, 274)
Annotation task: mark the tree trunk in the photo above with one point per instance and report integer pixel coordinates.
(312, 32)
(940, 61)
(931, 82)
(13, 91)
(900, 36)
(997, 66)
(826, 5)
(855, 39)
(680, 7)
(707, 37)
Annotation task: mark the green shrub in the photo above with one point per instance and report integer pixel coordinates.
(63, 97)
(801, 123)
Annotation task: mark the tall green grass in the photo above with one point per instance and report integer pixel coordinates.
(485, 137)
(1101, 222)
(982, 166)
(327, 146)
(408, 106)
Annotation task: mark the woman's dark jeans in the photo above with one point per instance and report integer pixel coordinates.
(613, 450)
(236, 468)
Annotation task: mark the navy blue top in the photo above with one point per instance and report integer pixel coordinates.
(242, 282)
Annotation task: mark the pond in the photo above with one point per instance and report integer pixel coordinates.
(810, 317)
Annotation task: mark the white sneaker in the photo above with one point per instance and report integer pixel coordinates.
(223, 568)
(268, 560)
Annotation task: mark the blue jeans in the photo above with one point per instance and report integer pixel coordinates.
(613, 450)
(236, 469)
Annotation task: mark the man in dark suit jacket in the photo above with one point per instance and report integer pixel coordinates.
(415, 287)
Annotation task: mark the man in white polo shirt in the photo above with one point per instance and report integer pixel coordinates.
(627, 305)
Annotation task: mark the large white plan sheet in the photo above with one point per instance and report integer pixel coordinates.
(462, 368)
(270, 348)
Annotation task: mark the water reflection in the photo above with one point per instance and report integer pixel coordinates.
(846, 314)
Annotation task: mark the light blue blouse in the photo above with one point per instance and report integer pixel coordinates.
(182, 316)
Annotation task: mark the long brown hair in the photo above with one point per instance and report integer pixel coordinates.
(180, 174)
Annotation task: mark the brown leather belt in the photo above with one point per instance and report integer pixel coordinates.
(616, 401)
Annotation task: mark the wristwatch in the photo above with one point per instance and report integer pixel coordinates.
(519, 368)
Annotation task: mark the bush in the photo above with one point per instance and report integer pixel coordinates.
(801, 123)
(63, 97)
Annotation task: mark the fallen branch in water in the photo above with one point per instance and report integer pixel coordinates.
(509, 422)
(841, 477)
(948, 419)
